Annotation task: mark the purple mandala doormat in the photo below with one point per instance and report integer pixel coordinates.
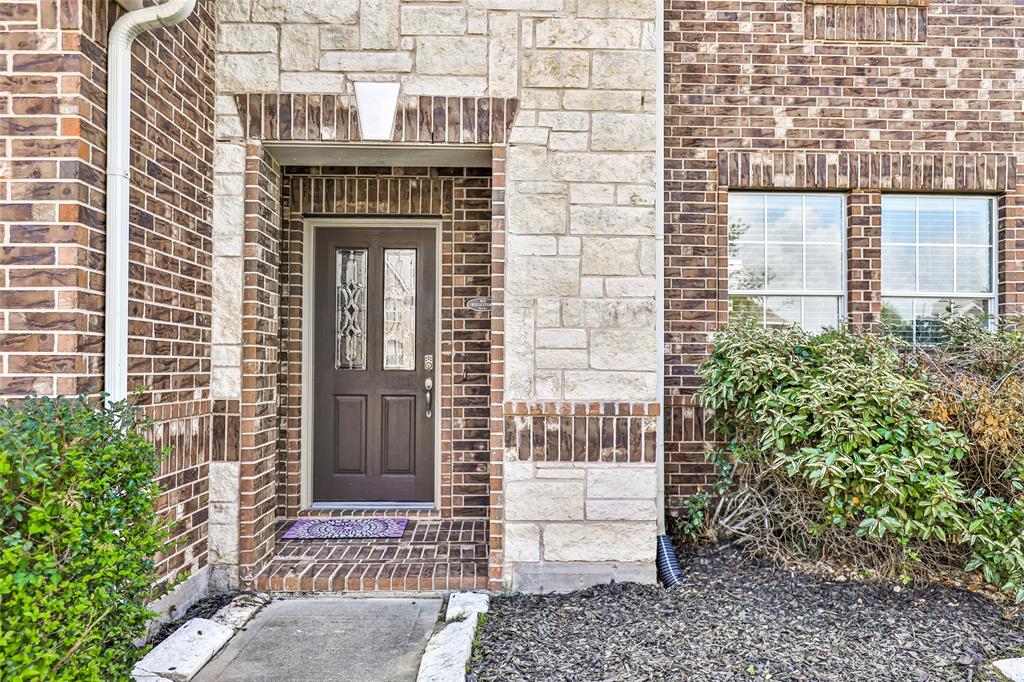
(345, 529)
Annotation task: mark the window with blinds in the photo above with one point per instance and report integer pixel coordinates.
(786, 258)
(938, 254)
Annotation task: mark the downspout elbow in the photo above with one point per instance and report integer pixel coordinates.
(119, 44)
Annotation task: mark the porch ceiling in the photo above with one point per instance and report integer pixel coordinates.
(382, 154)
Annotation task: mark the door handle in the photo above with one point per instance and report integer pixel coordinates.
(429, 386)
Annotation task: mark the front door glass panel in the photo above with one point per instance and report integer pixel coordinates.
(400, 309)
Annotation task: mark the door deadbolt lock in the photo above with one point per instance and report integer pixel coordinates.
(428, 362)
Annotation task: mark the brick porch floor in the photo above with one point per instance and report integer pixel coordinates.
(433, 555)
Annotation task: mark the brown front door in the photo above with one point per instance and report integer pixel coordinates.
(373, 327)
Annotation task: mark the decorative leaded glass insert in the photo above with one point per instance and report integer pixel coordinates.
(399, 308)
(350, 316)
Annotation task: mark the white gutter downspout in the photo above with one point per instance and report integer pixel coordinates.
(119, 95)
(659, 291)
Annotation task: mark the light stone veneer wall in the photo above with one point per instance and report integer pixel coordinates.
(580, 309)
(226, 372)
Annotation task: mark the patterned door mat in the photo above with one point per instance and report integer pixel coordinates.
(346, 529)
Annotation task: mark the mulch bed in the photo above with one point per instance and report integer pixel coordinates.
(204, 608)
(734, 618)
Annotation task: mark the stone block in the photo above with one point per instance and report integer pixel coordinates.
(588, 33)
(186, 651)
(536, 215)
(367, 61)
(621, 510)
(601, 167)
(618, 70)
(526, 245)
(612, 220)
(503, 55)
(561, 358)
(611, 131)
(556, 69)
(621, 482)
(562, 577)
(623, 349)
(610, 385)
(335, 37)
(431, 20)
(378, 25)
(300, 47)
(603, 100)
(631, 287)
(596, 312)
(600, 541)
(314, 81)
(451, 55)
(615, 256)
(446, 86)
(522, 542)
(306, 11)
(247, 38)
(247, 72)
(621, 9)
(529, 163)
(562, 338)
(548, 500)
(542, 275)
(224, 481)
(465, 605)
(591, 193)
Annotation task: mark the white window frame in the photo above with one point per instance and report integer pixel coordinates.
(992, 297)
(840, 294)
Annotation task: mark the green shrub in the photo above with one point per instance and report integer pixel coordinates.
(77, 495)
(841, 445)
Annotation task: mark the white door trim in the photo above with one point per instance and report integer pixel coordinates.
(309, 226)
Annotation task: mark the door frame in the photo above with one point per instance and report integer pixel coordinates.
(309, 227)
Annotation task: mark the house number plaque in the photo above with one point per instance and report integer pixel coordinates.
(480, 304)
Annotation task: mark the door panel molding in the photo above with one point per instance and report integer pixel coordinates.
(307, 426)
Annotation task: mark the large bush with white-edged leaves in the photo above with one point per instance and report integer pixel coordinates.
(858, 448)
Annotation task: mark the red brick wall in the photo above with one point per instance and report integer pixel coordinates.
(53, 62)
(859, 96)
(261, 301)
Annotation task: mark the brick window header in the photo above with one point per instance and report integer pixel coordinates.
(871, 3)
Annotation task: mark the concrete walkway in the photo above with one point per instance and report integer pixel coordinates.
(328, 640)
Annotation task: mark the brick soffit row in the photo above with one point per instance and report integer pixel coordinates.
(317, 117)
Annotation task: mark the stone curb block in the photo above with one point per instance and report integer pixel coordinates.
(181, 656)
(449, 649)
(1013, 668)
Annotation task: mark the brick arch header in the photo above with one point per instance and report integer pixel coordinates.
(316, 117)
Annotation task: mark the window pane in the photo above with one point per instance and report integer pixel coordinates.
(899, 220)
(824, 215)
(746, 266)
(785, 219)
(350, 309)
(899, 271)
(746, 217)
(974, 269)
(785, 267)
(820, 313)
(824, 267)
(782, 311)
(399, 308)
(935, 220)
(898, 317)
(936, 268)
(973, 221)
(746, 308)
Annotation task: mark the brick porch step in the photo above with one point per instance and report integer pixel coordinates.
(433, 555)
